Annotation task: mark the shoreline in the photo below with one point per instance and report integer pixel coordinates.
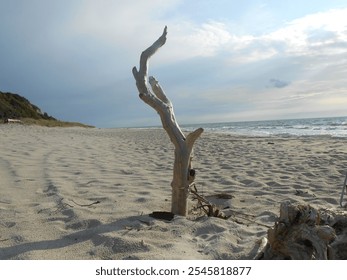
(53, 177)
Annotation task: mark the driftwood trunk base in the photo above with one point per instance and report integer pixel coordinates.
(304, 233)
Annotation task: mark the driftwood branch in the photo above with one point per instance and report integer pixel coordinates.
(304, 233)
(152, 94)
(344, 190)
(141, 75)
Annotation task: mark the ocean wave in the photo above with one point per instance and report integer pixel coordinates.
(335, 127)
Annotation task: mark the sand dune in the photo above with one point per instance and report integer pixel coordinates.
(75, 193)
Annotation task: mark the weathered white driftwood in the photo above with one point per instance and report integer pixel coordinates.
(12, 121)
(154, 96)
(302, 232)
(344, 189)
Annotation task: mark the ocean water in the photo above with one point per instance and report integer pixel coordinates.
(334, 127)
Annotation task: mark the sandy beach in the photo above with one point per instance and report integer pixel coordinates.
(77, 193)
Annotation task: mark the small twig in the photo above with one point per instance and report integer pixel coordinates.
(5, 202)
(198, 197)
(203, 208)
(252, 221)
(214, 211)
(61, 204)
(86, 205)
(2, 240)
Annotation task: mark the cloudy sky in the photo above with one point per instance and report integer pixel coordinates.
(224, 60)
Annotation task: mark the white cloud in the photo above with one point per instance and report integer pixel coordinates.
(316, 34)
(134, 25)
(303, 36)
(204, 40)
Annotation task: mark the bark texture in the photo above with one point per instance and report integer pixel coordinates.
(304, 233)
